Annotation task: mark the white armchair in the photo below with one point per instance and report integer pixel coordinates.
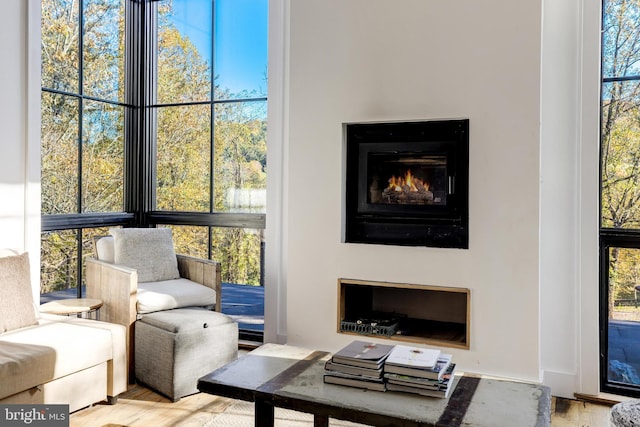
(136, 271)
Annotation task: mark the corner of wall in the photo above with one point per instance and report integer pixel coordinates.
(275, 326)
(569, 197)
(32, 208)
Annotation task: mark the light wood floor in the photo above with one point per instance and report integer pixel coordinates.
(141, 407)
(576, 413)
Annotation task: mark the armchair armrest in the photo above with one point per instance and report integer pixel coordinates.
(203, 271)
(117, 287)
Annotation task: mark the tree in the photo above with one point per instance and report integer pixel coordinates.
(185, 152)
(620, 140)
(620, 112)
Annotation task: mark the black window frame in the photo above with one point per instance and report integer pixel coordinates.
(610, 238)
(139, 146)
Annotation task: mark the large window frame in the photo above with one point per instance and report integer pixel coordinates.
(139, 181)
(612, 236)
(611, 239)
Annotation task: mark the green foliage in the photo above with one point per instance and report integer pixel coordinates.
(103, 49)
(59, 154)
(238, 250)
(183, 75)
(620, 168)
(102, 158)
(59, 253)
(183, 158)
(60, 34)
(626, 273)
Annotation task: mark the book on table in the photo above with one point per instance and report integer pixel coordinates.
(356, 381)
(443, 362)
(332, 367)
(426, 383)
(359, 364)
(363, 354)
(415, 359)
(440, 393)
(424, 386)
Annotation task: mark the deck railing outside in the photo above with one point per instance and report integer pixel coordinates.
(244, 303)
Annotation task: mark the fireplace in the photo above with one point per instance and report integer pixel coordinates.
(407, 183)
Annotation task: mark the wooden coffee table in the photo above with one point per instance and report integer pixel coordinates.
(290, 377)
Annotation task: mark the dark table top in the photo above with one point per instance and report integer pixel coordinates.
(291, 377)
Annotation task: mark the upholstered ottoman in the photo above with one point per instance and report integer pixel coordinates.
(174, 348)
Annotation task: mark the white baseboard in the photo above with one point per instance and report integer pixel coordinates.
(561, 384)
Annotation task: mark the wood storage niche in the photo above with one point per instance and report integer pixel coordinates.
(434, 315)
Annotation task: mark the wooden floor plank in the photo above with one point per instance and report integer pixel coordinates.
(141, 407)
(576, 413)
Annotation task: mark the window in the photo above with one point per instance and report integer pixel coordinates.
(82, 145)
(620, 198)
(154, 114)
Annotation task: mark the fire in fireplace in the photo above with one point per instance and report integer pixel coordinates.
(407, 183)
(412, 180)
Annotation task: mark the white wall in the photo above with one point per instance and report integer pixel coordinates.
(364, 60)
(558, 198)
(275, 312)
(20, 140)
(526, 74)
(588, 173)
(569, 196)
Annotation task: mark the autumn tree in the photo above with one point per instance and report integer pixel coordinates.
(620, 116)
(620, 139)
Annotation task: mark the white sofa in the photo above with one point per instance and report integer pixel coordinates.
(51, 359)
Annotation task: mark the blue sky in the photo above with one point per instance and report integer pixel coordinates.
(240, 38)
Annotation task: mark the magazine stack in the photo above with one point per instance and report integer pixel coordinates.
(359, 364)
(422, 371)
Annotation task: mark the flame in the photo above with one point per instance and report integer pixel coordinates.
(408, 180)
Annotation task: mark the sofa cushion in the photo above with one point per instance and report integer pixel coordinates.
(52, 349)
(16, 298)
(147, 250)
(170, 294)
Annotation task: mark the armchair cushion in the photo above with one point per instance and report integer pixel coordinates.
(170, 294)
(104, 249)
(147, 250)
(16, 298)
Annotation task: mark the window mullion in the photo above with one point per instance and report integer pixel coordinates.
(80, 100)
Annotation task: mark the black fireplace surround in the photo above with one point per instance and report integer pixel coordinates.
(407, 183)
